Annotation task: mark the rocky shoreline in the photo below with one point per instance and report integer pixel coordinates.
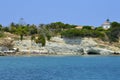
(63, 46)
(27, 54)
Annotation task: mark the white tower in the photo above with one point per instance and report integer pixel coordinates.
(106, 24)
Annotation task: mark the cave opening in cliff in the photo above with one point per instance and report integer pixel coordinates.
(93, 53)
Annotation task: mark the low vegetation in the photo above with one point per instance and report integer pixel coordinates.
(44, 32)
(5, 42)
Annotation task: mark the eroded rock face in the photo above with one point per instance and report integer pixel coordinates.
(62, 48)
(99, 51)
(65, 46)
(78, 46)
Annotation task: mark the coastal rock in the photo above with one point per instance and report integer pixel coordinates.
(77, 46)
(63, 49)
(99, 51)
(65, 46)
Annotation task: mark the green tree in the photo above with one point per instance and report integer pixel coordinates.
(13, 28)
(0, 27)
(21, 37)
(1, 31)
(41, 39)
(115, 24)
(32, 29)
(114, 32)
(22, 31)
(6, 29)
(99, 29)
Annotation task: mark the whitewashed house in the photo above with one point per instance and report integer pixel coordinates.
(106, 24)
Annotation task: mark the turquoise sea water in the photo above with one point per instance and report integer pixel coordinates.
(60, 68)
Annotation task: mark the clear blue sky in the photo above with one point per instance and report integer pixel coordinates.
(80, 12)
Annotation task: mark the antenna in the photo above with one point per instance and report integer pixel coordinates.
(21, 21)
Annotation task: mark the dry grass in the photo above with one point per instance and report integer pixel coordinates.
(6, 42)
(9, 35)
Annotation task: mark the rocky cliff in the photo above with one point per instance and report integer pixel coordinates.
(77, 46)
(65, 46)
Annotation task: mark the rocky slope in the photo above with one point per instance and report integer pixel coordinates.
(65, 46)
(77, 46)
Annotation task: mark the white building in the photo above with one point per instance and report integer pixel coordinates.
(106, 24)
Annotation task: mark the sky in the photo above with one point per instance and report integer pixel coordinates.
(78, 12)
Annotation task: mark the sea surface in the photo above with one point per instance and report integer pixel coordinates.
(60, 68)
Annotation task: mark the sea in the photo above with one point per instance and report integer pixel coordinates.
(60, 68)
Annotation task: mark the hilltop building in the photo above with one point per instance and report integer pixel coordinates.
(79, 27)
(106, 24)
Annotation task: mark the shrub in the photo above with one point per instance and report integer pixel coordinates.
(41, 39)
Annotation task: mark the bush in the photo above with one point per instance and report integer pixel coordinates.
(48, 37)
(32, 37)
(41, 39)
(1, 34)
(83, 33)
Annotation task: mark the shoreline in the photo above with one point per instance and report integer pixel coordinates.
(54, 55)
